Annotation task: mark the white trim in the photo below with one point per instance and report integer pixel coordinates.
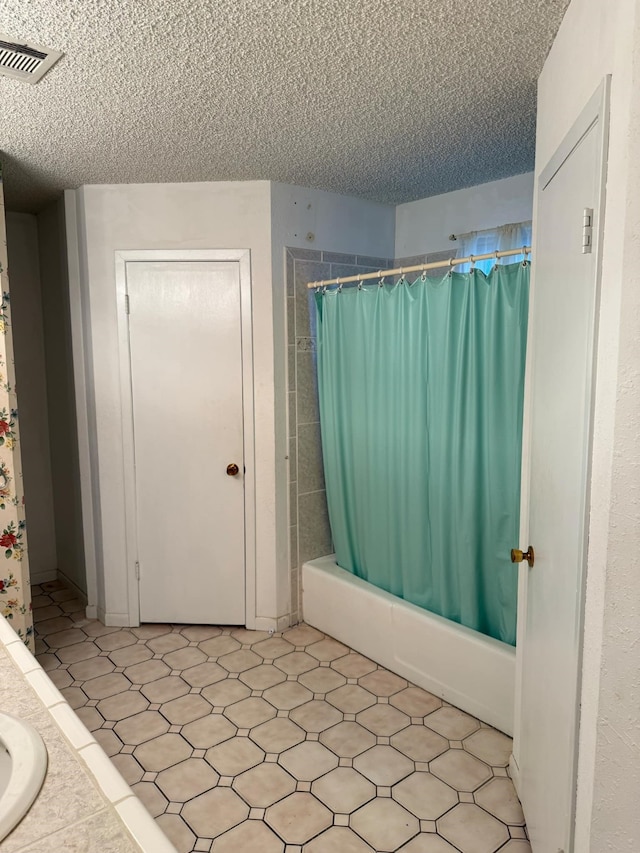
(44, 576)
(79, 317)
(243, 258)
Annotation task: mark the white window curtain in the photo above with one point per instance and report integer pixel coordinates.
(500, 239)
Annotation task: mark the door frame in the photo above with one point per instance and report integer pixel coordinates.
(243, 258)
(596, 110)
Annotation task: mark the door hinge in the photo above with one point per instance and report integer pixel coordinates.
(137, 570)
(126, 304)
(587, 230)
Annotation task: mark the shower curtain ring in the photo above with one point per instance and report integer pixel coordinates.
(450, 273)
(380, 278)
(472, 261)
(359, 282)
(525, 253)
(339, 285)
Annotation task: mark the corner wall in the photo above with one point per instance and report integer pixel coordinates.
(28, 346)
(63, 436)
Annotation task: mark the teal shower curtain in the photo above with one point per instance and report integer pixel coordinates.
(421, 392)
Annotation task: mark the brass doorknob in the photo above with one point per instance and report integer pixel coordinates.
(232, 469)
(518, 556)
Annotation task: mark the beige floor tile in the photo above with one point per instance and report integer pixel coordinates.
(240, 661)
(250, 712)
(186, 780)
(162, 752)
(128, 768)
(248, 637)
(288, 695)
(302, 635)
(117, 640)
(315, 716)
(327, 650)
(184, 658)
(251, 836)
(428, 843)
(461, 770)
(61, 678)
(383, 720)
(122, 705)
(264, 785)
(148, 632)
(451, 723)
(499, 798)
(97, 629)
(298, 818)
(208, 731)
(383, 765)
(308, 760)
(215, 812)
(45, 614)
(150, 670)
(274, 647)
(322, 679)
(167, 643)
(277, 735)
(419, 743)
(108, 741)
(151, 797)
(165, 689)
(75, 697)
(226, 692)
(90, 718)
(81, 651)
(218, 646)
(343, 790)
(337, 839)
(48, 661)
(105, 685)
(262, 677)
(178, 832)
(516, 846)
(204, 674)
(415, 702)
(383, 683)
(384, 824)
(425, 796)
(471, 829)
(68, 637)
(53, 622)
(92, 668)
(353, 665)
(350, 699)
(186, 709)
(199, 633)
(347, 739)
(234, 756)
(130, 655)
(490, 746)
(295, 663)
(141, 727)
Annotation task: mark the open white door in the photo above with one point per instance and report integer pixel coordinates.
(558, 408)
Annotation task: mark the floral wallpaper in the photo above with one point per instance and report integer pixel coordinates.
(15, 589)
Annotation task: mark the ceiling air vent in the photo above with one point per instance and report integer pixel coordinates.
(27, 62)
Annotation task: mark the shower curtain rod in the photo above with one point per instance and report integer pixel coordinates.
(471, 259)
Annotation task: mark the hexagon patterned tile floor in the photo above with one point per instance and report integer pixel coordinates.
(237, 741)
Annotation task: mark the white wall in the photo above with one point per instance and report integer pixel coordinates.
(304, 218)
(598, 37)
(63, 437)
(424, 226)
(28, 344)
(170, 216)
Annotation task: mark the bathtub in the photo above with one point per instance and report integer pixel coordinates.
(467, 669)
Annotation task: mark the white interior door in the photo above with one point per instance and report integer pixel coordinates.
(186, 380)
(562, 337)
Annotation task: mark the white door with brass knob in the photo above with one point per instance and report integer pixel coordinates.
(186, 383)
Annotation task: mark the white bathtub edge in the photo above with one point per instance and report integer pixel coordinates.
(471, 671)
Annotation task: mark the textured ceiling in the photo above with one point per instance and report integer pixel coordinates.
(391, 100)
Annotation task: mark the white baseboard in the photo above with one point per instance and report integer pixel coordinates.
(514, 772)
(117, 620)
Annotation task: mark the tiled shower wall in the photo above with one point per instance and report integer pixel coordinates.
(310, 535)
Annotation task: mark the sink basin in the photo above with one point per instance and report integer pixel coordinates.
(23, 765)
